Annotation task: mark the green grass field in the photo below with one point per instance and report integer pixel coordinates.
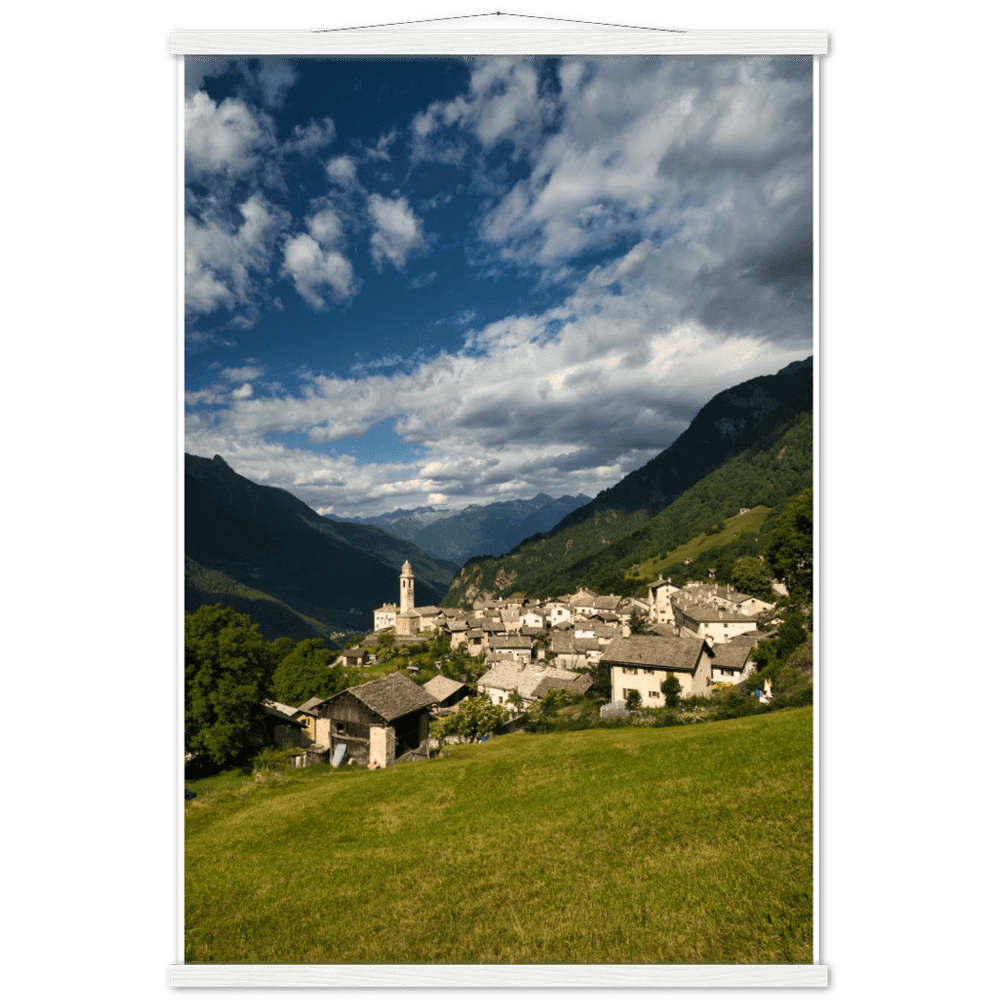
(676, 845)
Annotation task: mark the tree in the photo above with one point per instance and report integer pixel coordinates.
(638, 623)
(789, 550)
(633, 700)
(671, 689)
(600, 675)
(226, 665)
(306, 673)
(750, 575)
(514, 699)
(475, 718)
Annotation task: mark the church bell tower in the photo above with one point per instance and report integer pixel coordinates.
(406, 588)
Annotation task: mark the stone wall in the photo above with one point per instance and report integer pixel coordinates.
(383, 746)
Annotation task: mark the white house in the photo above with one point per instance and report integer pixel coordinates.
(642, 662)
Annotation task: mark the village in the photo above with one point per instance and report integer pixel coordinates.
(702, 634)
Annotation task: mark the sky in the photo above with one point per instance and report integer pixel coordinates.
(450, 281)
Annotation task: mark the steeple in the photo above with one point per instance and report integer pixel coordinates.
(406, 588)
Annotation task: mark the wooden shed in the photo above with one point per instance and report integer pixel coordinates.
(393, 703)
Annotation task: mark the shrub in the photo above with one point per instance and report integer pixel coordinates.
(271, 760)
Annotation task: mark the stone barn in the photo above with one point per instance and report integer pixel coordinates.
(380, 721)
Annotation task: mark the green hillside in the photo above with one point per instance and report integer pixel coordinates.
(615, 552)
(677, 845)
(275, 618)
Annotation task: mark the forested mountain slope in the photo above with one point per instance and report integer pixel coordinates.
(265, 539)
(756, 440)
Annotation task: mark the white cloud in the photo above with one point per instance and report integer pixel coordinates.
(341, 170)
(245, 373)
(224, 263)
(311, 138)
(318, 274)
(218, 136)
(502, 103)
(275, 78)
(397, 230)
(245, 391)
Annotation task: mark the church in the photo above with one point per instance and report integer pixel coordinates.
(404, 618)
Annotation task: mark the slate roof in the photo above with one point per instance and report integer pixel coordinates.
(702, 613)
(308, 706)
(665, 652)
(511, 642)
(729, 656)
(753, 637)
(442, 687)
(578, 684)
(509, 676)
(391, 696)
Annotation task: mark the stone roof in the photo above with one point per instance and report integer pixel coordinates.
(753, 637)
(308, 706)
(509, 675)
(511, 642)
(428, 612)
(442, 687)
(579, 684)
(391, 696)
(730, 656)
(665, 652)
(702, 613)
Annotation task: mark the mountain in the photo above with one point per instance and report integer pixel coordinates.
(269, 550)
(401, 523)
(749, 446)
(479, 529)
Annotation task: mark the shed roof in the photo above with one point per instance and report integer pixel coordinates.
(391, 696)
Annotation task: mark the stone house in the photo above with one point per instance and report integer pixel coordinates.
(517, 647)
(510, 675)
(717, 625)
(731, 662)
(642, 662)
(379, 721)
(660, 608)
(355, 657)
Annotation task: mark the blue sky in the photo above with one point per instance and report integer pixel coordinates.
(454, 281)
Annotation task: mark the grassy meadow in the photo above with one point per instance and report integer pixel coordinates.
(689, 844)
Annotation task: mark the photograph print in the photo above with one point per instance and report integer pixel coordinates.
(498, 510)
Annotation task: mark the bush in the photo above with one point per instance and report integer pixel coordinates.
(271, 760)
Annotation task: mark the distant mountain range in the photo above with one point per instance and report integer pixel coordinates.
(266, 553)
(479, 529)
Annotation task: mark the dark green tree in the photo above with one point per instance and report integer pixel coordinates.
(600, 674)
(750, 575)
(789, 549)
(306, 673)
(226, 666)
(633, 700)
(638, 623)
(671, 689)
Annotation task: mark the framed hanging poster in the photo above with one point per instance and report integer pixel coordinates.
(498, 511)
